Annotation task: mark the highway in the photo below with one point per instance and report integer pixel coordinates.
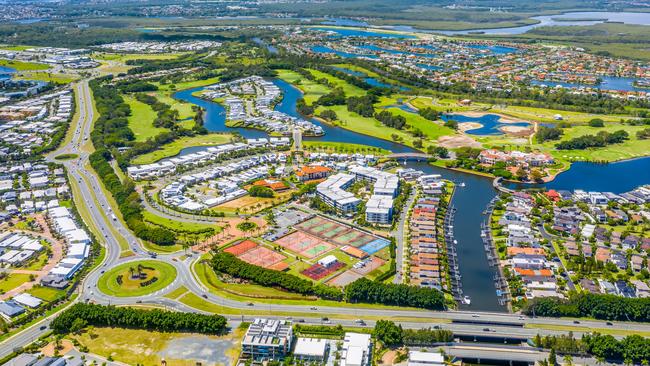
(87, 186)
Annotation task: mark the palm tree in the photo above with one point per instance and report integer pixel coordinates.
(568, 360)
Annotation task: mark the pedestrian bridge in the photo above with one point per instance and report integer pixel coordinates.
(410, 156)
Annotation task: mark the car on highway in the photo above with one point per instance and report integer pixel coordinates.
(250, 304)
(42, 327)
(486, 329)
(475, 315)
(204, 296)
(609, 323)
(300, 320)
(576, 322)
(314, 308)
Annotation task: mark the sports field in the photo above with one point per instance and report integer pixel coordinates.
(304, 244)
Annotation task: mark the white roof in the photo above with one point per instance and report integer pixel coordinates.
(310, 347)
(426, 357)
(354, 356)
(27, 300)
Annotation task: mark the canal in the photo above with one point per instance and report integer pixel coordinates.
(470, 201)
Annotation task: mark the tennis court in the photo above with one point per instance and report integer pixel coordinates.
(262, 256)
(333, 231)
(241, 248)
(355, 238)
(317, 271)
(375, 246)
(304, 244)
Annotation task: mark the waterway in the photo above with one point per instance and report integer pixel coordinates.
(566, 19)
(6, 72)
(470, 201)
(607, 83)
(370, 80)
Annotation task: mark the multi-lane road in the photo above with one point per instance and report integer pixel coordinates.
(96, 212)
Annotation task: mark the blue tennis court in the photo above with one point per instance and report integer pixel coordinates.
(375, 246)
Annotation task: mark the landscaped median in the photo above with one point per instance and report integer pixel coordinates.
(137, 278)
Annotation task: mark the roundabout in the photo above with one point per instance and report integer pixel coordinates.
(136, 278)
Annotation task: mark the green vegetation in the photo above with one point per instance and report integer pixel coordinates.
(242, 291)
(23, 66)
(342, 147)
(141, 120)
(66, 156)
(631, 349)
(364, 290)
(610, 307)
(80, 315)
(228, 263)
(392, 335)
(173, 148)
(11, 281)
(136, 278)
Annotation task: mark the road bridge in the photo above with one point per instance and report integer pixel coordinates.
(410, 156)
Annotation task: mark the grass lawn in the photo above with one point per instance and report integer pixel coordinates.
(46, 293)
(349, 89)
(39, 262)
(342, 147)
(351, 67)
(311, 89)
(23, 66)
(431, 129)
(108, 282)
(146, 347)
(175, 147)
(47, 76)
(547, 115)
(178, 225)
(164, 249)
(141, 119)
(209, 279)
(12, 281)
(177, 293)
(123, 57)
(14, 47)
(631, 148)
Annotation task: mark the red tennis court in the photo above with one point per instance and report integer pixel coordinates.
(241, 248)
(262, 256)
(317, 271)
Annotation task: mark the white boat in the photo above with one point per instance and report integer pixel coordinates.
(462, 184)
(467, 300)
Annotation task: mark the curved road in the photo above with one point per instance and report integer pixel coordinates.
(87, 186)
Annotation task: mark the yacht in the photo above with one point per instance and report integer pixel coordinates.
(467, 300)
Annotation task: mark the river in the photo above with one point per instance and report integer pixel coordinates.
(470, 201)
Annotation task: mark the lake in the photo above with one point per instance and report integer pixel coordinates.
(491, 123)
(370, 80)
